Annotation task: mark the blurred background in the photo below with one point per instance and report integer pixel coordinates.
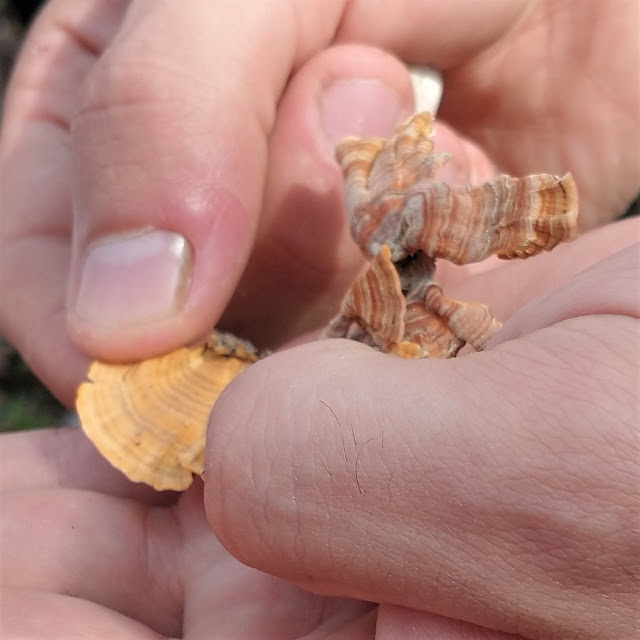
(24, 402)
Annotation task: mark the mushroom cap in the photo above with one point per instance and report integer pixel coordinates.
(149, 419)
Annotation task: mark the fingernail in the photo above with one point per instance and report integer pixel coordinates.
(133, 279)
(359, 107)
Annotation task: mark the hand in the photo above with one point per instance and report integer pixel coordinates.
(452, 521)
(128, 116)
(501, 488)
(86, 553)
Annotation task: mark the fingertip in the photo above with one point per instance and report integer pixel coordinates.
(261, 454)
(169, 165)
(353, 90)
(133, 278)
(137, 293)
(304, 258)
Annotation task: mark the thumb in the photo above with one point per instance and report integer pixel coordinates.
(169, 170)
(479, 489)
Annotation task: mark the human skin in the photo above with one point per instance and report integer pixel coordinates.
(499, 488)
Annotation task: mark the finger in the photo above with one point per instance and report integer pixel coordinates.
(116, 553)
(35, 171)
(34, 615)
(304, 258)
(158, 566)
(451, 40)
(509, 85)
(576, 298)
(520, 102)
(482, 488)
(163, 234)
(398, 623)
(63, 458)
(240, 602)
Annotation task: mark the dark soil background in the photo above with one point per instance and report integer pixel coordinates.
(24, 402)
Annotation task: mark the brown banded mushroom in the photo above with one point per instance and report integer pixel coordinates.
(404, 220)
(149, 419)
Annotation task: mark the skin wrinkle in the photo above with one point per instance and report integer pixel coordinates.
(351, 446)
(574, 332)
(166, 572)
(139, 86)
(411, 536)
(81, 45)
(572, 345)
(569, 357)
(65, 517)
(613, 380)
(285, 479)
(571, 493)
(157, 568)
(45, 115)
(87, 45)
(225, 488)
(602, 516)
(294, 509)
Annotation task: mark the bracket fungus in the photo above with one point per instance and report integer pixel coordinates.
(149, 419)
(404, 220)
